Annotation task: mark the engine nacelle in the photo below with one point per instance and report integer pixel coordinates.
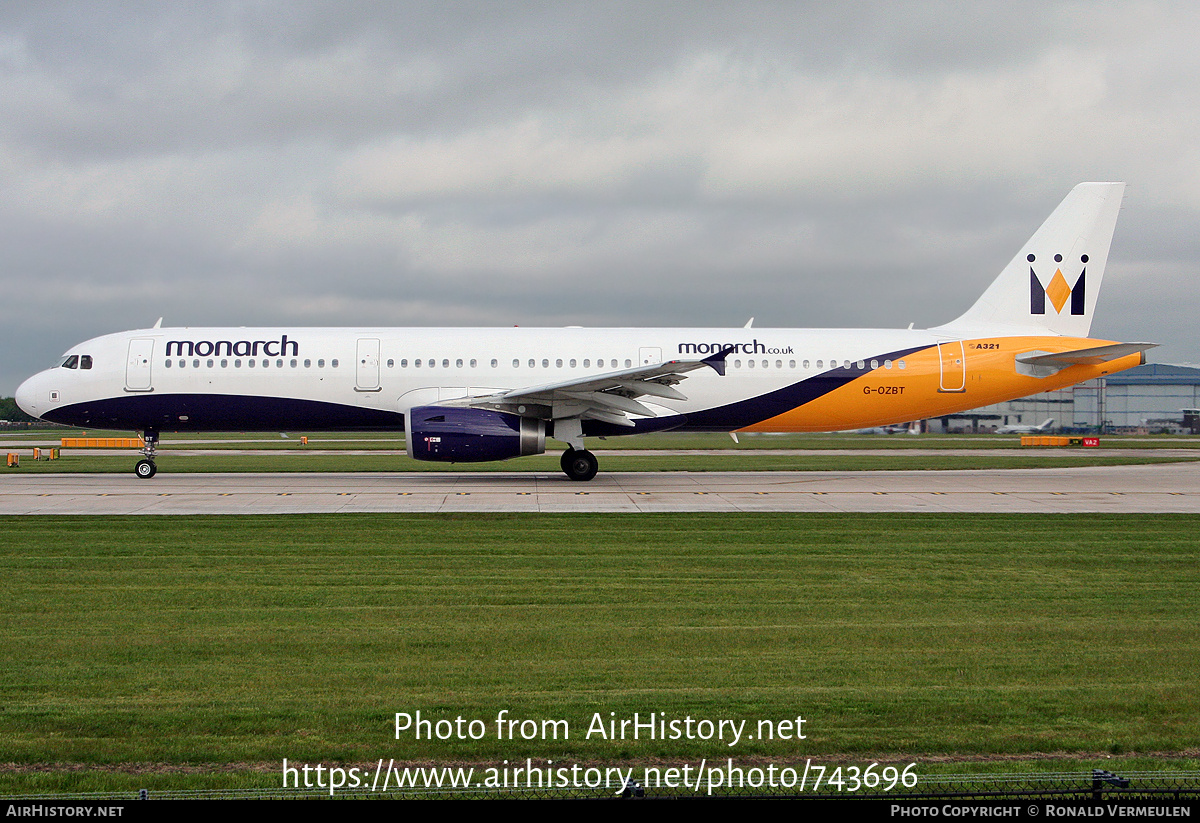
(454, 435)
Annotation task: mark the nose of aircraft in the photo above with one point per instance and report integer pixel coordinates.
(27, 397)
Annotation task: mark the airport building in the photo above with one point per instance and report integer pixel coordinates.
(1154, 398)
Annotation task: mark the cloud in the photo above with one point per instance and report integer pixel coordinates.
(577, 163)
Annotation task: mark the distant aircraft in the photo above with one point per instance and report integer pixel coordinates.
(899, 428)
(1018, 429)
(469, 395)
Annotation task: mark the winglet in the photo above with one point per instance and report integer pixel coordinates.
(717, 361)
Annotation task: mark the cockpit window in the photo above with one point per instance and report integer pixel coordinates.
(71, 362)
(85, 361)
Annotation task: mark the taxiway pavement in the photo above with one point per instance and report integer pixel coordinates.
(1171, 487)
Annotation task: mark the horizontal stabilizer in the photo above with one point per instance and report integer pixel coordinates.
(1085, 357)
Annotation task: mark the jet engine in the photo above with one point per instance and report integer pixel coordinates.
(456, 435)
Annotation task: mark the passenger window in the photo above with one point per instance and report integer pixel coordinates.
(806, 364)
(249, 364)
(900, 363)
(750, 363)
(887, 364)
(473, 362)
(495, 362)
(195, 364)
(737, 364)
(307, 363)
(516, 363)
(628, 363)
(874, 364)
(545, 363)
(572, 362)
(532, 363)
(333, 364)
(587, 363)
(458, 363)
(210, 363)
(167, 364)
(279, 364)
(321, 363)
(820, 364)
(446, 363)
(237, 364)
(224, 364)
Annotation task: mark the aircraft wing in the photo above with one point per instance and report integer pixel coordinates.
(609, 397)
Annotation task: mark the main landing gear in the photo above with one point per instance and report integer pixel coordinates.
(579, 464)
(145, 468)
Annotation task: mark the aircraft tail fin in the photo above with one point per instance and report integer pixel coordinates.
(1050, 287)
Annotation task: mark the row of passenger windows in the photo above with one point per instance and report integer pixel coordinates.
(85, 362)
(432, 363)
(833, 364)
(250, 364)
(613, 364)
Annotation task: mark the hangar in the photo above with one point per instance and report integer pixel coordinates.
(1154, 398)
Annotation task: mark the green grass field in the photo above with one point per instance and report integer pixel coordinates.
(134, 642)
(376, 452)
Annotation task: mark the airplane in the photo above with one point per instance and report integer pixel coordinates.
(471, 395)
(912, 428)
(1018, 429)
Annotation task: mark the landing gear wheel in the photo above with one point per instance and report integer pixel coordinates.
(579, 464)
(145, 469)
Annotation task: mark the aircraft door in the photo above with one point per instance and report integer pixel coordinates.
(953, 366)
(367, 365)
(137, 367)
(649, 355)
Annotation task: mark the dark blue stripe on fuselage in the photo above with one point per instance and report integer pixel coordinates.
(222, 412)
(745, 413)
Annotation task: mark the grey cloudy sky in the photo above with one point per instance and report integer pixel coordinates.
(592, 163)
